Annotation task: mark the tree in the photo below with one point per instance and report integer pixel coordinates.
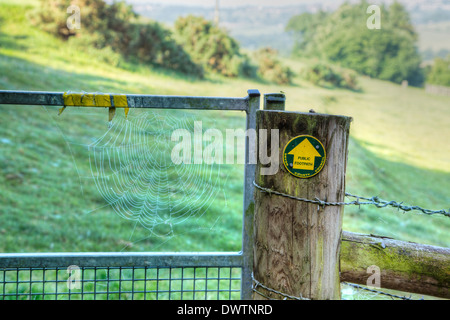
(302, 26)
(440, 72)
(116, 26)
(342, 37)
(211, 46)
(399, 19)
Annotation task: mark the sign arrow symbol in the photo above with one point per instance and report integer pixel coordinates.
(304, 155)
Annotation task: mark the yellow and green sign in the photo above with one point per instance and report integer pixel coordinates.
(304, 156)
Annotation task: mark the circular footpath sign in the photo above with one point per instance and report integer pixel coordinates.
(304, 156)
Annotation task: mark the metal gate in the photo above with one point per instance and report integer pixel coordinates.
(136, 275)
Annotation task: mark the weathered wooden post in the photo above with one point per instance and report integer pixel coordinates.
(297, 243)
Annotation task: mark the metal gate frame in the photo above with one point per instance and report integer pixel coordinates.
(242, 259)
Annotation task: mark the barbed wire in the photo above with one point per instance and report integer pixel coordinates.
(286, 296)
(379, 292)
(379, 203)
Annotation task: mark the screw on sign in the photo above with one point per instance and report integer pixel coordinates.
(304, 156)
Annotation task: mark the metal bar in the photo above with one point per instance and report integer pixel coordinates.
(187, 102)
(121, 259)
(249, 203)
(134, 101)
(31, 98)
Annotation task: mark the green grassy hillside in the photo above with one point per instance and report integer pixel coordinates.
(398, 150)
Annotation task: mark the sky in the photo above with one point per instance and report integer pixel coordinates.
(268, 3)
(230, 3)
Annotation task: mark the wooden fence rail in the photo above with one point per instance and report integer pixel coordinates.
(404, 266)
(439, 90)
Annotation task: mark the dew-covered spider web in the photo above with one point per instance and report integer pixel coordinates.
(133, 171)
(132, 195)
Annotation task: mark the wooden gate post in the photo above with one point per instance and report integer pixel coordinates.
(296, 243)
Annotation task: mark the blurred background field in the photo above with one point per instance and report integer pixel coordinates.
(398, 149)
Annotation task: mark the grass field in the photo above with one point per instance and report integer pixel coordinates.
(398, 150)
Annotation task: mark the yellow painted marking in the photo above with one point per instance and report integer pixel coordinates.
(120, 101)
(95, 100)
(102, 100)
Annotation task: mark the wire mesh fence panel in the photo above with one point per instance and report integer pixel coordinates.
(121, 283)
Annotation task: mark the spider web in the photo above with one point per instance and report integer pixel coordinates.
(133, 171)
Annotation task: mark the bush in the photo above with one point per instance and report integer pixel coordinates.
(439, 73)
(151, 43)
(322, 74)
(114, 27)
(211, 47)
(108, 24)
(271, 69)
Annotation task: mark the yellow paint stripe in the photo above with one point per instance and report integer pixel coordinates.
(95, 100)
(111, 101)
(102, 100)
(120, 100)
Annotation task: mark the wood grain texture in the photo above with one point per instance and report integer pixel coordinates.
(297, 244)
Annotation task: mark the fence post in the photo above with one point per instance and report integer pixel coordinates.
(274, 101)
(296, 243)
(254, 98)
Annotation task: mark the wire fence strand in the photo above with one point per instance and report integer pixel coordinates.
(376, 201)
(379, 203)
(286, 296)
(378, 291)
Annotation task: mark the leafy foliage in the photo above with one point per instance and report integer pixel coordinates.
(211, 47)
(116, 26)
(270, 68)
(322, 74)
(439, 73)
(153, 44)
(342, 36)
(108, 24)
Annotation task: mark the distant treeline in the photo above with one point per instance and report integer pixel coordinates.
(193, 47)
(340, 41)
(342, 37)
